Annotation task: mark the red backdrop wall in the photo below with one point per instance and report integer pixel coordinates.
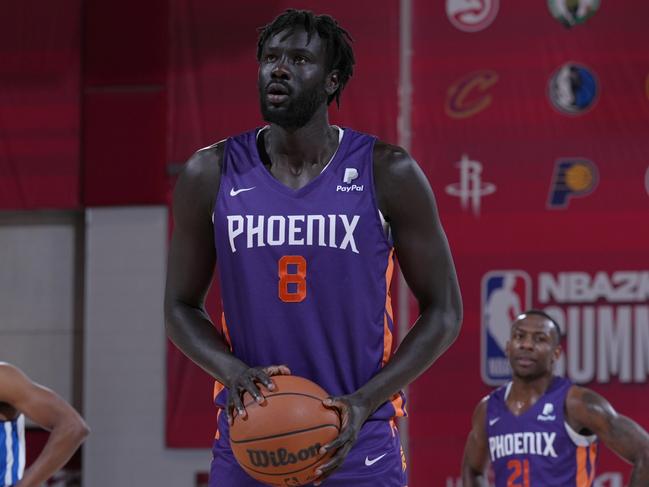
(485, 95)
(39, 104)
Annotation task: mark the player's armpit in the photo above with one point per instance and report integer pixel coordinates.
(585, 409)
(474, 461)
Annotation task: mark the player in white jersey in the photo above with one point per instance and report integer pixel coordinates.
(20, 397)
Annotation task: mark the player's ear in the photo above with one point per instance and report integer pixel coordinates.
(507, 348)
(558, 350)
(332, 82)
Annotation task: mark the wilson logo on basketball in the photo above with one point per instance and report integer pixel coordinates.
(281, 456)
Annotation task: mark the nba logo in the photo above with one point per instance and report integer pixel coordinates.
(505, 295)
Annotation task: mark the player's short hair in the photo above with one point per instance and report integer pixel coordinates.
(543, 314)
(340, 55)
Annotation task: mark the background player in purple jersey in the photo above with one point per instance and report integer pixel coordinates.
(20, 397)
(346, 202)
(541, 430)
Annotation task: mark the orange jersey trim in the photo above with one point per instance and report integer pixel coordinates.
(397, 400)
(586, 455)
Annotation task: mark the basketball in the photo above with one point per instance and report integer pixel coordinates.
(279, 441)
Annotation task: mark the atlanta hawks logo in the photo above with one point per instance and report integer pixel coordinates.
(471, 15)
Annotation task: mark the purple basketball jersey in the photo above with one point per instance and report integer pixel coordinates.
(538, 448)
(305, 273)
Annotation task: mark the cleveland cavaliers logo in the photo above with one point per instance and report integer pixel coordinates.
(470, 94)
(471, 15)
(281, 456)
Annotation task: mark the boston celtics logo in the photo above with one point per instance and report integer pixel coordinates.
(573, 12)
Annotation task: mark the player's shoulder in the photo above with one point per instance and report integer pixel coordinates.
(11, 377)
(479, 417)
(201, 173)
(8, 370)
(580, 396)
(206, 161)
(391, 158)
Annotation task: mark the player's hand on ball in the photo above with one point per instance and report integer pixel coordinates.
(247, 382)
(353, 414)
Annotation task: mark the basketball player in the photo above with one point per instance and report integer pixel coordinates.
(20, 397)
(540, 430)
(305, 218)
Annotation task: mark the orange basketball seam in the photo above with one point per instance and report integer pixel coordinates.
(275, 394)
(279, 435)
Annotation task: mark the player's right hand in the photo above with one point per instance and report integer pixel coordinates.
(247, 382)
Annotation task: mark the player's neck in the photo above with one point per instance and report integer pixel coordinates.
(313, 144)
(527, 391)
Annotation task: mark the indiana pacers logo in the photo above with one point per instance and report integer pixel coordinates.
(573, 89)
(573, 12)
(470, 94)
(572, 178)
(471, 15)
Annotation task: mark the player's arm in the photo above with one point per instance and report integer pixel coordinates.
(47, 409)
(190, 266)
(406, 200)
(474, 462)
(587, 410)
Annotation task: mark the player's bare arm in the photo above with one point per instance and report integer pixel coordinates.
(48, 410)
(406, 200)
(587, 410)
(192, 257)
(474, 462)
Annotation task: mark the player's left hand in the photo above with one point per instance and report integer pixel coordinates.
(353, 414)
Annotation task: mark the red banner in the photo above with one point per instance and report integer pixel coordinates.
(39, 104)
(530, 120)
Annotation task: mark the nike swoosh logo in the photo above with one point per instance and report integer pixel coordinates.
(234, 192)
(493, 421)
(369, 462)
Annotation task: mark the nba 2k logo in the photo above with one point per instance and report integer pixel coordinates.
(505, 295)
(470, 189)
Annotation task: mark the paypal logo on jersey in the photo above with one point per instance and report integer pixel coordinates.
(351, 173)
(505, 295)
(548, 413)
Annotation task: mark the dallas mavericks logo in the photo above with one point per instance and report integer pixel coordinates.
(573, 12)
(471, 15)
(505, 295)
(573, 89)
(571, 178)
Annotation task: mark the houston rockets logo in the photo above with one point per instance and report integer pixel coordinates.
(471, 15)
(572, 178)
(505, 295)
(469, 95)
(471, 188)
